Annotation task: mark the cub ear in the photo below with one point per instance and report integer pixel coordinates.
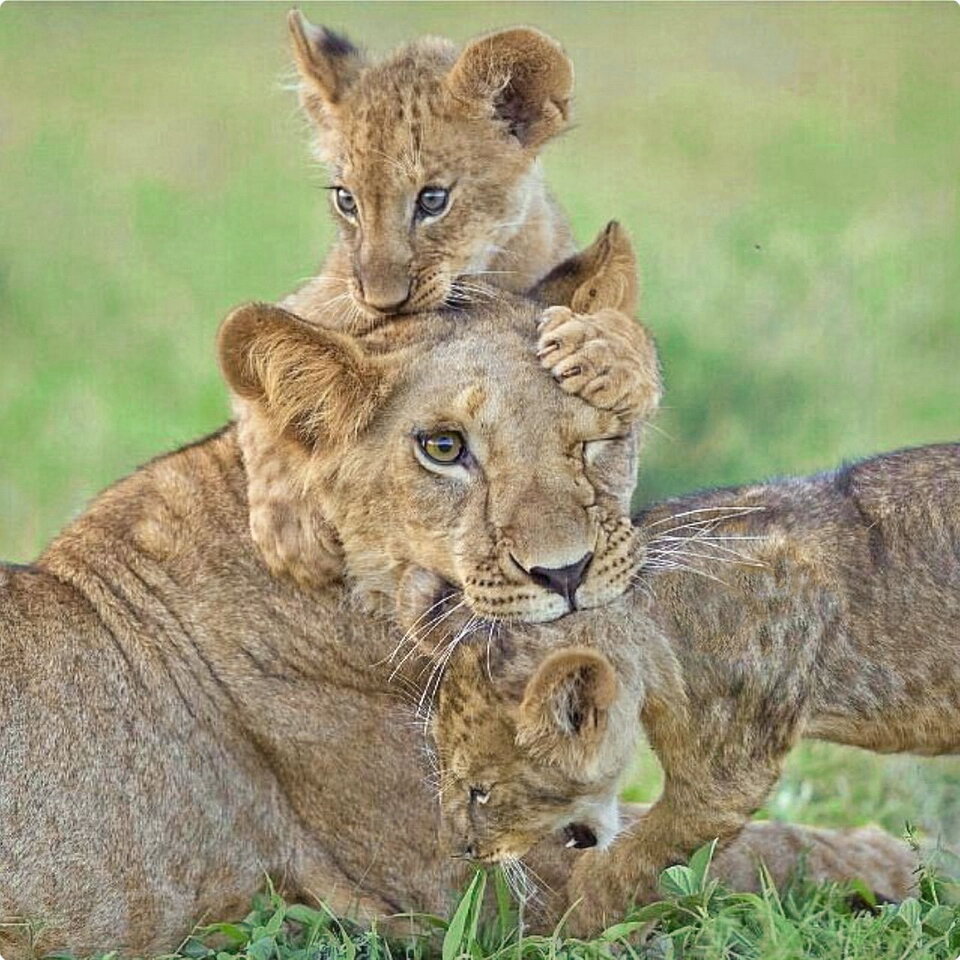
(521, 77)
(315, 384)
(564, 712)
(327, 62)
(602, 275)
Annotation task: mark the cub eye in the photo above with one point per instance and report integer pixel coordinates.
(433, 201)
(445, 446)
(479, 795)
(346, 202)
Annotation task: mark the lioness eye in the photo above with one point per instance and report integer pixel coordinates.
(433, 201)
(479, 794)
(346, 202)
(446, 446)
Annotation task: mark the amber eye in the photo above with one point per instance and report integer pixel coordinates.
(445, 446)
(346, 202)
(433, 201)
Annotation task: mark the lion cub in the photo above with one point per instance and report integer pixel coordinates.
(436, 189)
(823, 607)
(519, 761)
(434, 182)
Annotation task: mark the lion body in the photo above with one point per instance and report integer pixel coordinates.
(176, 723)
(824, 607)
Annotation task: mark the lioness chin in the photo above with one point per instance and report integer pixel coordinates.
(823, 607)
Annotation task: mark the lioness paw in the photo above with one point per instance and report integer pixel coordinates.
(606, 358)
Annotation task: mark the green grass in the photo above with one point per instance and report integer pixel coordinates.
(696, 918)
(788, 171)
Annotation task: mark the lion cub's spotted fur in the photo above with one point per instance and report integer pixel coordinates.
(470, 121)
(823, 607)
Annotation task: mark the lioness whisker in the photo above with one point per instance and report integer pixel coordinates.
(707, 556)
(436, 674)
(410, 631)
(677, 565)
(732, 510)
(415, 637)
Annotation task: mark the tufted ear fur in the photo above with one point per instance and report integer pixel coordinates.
(312, 383)
(564, 712)
(601, 276)
(521, 77)
(328, 63)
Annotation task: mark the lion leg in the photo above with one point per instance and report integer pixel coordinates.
(689, 813)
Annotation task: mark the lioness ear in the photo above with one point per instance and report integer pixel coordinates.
(521, 77)
(327, 62)
(315, 384)
(599, 276)
(564, 712)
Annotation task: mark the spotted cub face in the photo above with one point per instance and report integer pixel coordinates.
(515, 768)
(431, 155)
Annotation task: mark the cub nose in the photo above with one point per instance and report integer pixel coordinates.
(562, 580)
(385, 294)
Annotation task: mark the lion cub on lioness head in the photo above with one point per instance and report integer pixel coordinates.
(588, 356)
(432, 153)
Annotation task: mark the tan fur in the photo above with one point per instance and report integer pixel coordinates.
(472, 122)
(175, 722)
(603, 356)
(824, 607)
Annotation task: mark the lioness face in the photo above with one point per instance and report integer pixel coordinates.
(456, 453)
(511, 773)
(430, 154)
(481, 470)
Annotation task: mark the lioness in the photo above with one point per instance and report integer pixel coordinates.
(175, 721)
(824, 607)
(432, 154)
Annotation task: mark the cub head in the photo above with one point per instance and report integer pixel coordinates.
(431, 154)
(440, 443)
(544, 758)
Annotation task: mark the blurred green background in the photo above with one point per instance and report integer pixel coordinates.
(790, 173)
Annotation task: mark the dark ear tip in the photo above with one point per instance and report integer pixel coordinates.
(296, 22)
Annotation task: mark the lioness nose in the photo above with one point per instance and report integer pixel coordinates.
(562, 580)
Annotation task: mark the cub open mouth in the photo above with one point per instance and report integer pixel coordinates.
(579, 836)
